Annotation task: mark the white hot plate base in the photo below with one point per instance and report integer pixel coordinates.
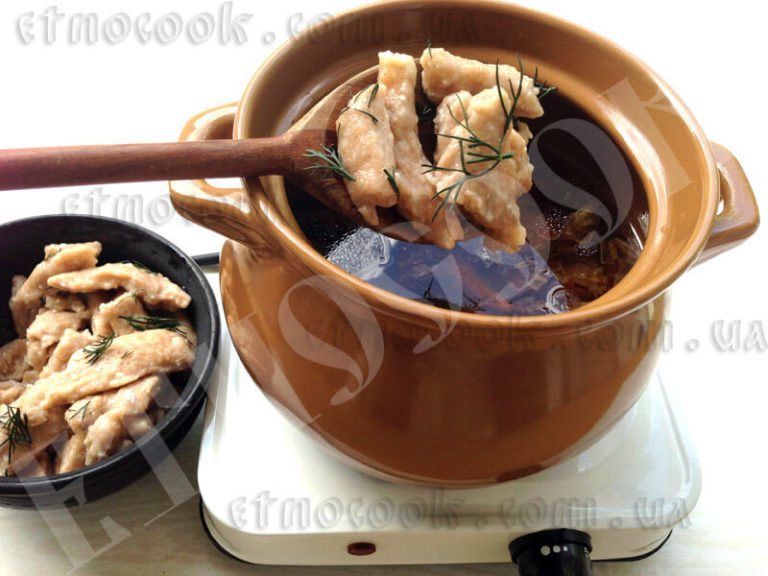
(271, 495)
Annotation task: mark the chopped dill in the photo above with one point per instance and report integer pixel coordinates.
(82, 411)
(373, 94)
(94, 351)
(471, 305)
(364, 112)
(15, 424)
(374, 90)
(142, 323)
(392, 182)
(543, 88)
(426, 111)
(475, 150)
(515, 97)
(450, 194)
(329, 160)
(468, 305)
(428, 292)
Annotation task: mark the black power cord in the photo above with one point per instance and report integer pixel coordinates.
(207, 260)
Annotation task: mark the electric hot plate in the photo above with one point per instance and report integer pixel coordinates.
(272, 495)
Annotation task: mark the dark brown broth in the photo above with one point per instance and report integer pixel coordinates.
(583, 236)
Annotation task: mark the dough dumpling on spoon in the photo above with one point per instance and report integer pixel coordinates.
(481, 165)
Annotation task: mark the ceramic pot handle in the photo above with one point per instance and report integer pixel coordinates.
(739, 217)
(227, 211)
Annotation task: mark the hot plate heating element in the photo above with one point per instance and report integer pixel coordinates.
(272, 496)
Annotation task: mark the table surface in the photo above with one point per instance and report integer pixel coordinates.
(61, 92)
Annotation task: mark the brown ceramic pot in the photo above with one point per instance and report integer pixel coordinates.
(411, 392)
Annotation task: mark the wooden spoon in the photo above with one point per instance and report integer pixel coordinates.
(280, 155)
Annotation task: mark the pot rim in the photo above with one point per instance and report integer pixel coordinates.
(599, 311)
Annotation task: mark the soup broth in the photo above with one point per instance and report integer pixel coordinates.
(586, 219)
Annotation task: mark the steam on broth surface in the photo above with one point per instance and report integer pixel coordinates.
(584, 227)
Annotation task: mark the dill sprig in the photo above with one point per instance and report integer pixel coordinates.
(515, 97)
(94, 351)
(426, 111)
(471, 305)
(373, 94)
(428, 292)
(15, 424)
(375, 91)
(329, 160)
(82, 411)
(363, 112)
(475, 150)
(468, 305)
(429, 46)
(142, 323)
(543, 88)
(374, 88)
(392, 182)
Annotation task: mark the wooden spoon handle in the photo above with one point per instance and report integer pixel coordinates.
(82, 165)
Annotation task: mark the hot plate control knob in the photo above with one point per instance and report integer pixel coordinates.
(560, 552)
